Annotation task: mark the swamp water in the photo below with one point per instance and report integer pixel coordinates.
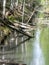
(33, 52)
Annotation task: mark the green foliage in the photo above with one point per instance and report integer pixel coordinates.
(11, 18)
(40, 15)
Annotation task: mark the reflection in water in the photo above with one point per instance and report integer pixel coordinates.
(37, 53)
(44, 41)
(29, 52)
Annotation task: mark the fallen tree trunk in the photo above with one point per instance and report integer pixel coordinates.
(12, 26)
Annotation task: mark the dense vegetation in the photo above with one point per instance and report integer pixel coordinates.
(20, 11)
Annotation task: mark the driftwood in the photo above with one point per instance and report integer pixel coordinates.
(10, 25)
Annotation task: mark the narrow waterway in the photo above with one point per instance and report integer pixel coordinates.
(32, 52)
(35, 51)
